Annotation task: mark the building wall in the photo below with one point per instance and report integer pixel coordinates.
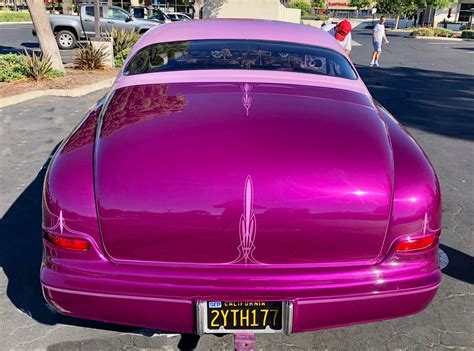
(442, 14)
(258, 9)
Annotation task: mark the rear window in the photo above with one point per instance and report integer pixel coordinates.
(239, 54)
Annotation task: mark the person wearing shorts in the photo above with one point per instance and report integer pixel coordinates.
(378, 34)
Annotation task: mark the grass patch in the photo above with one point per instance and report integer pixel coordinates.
(15, 16)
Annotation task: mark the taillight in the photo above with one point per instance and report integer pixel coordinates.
(68, 243)
(416, 244)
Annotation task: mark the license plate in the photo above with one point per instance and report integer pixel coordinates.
(234, 317)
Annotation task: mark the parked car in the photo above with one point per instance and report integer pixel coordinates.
(178, 16)
(68, 30)
(152, 14)
(239, 177)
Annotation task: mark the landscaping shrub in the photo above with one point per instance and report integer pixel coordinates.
(315, 17)
(123, 39)
(39, 66)
(423, 32)
(14, 16)
(90, 57)
(119, 59)
(12, 67)
(469, 34)
(433, 32)
(443, 32)
(305, 8)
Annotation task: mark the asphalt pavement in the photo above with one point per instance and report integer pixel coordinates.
(427, 85)
(18, 38)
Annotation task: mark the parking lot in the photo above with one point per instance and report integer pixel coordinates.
(427, 85)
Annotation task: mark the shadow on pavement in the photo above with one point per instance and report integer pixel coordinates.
(433, 101)
(461, 265)
(20, 259)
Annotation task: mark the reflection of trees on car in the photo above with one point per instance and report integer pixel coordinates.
(156, 55)
(138, 104)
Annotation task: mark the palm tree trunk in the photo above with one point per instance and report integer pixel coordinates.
(44, 33)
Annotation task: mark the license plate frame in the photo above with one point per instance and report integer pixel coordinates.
(202, 310)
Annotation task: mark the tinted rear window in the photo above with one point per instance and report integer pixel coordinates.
(239, 54)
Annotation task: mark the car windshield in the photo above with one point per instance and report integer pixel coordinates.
(239, 54)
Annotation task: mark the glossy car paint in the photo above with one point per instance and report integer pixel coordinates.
(261, 188)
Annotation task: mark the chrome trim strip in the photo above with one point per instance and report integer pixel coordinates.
(200, 317)
(288, 317)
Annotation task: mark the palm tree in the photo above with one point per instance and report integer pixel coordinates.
(45, 34)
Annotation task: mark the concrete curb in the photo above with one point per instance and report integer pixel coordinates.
(5, 23)
(79, 91)
(438, 38)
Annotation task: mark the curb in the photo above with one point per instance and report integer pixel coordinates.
(76, 92)
(438, 38)
(5, 23)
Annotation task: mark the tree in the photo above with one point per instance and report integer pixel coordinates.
(305, 8)
(433, 4)
(44, 33)
(360, 4)
(318, 4)
(396, 7)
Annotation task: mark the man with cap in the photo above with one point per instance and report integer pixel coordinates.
(342, 33)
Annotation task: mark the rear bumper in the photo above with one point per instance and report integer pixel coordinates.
(165, 298)
(179, 315)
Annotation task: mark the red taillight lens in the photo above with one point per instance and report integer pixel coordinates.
(416, 244)
(68, 243)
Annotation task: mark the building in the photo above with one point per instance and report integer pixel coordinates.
(459, 12)
(338, 8)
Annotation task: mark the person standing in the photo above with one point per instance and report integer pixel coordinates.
(378, 34)
(342, 33)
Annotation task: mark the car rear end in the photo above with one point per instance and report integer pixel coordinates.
(271, 202)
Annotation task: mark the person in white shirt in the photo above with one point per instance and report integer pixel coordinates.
(378, 34)
(342, 33)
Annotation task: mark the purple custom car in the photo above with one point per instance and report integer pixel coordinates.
(239, 178)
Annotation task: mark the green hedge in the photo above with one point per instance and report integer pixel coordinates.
(315, 17)
(469, 34)
(433, 32)
(14, 16)
(13, 67)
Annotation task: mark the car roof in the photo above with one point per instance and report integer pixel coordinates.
(238, 29)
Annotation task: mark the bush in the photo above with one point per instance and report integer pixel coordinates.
(423, 32)
(14, 16)
(442, 32)
(433, 32)
(89, 58)
(119, 59)
(305, 8)
(469, 34)
(315, 17)
(39, 66)
(12, 67)
(123, 39)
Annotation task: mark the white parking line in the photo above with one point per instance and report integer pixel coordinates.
(356, 43)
